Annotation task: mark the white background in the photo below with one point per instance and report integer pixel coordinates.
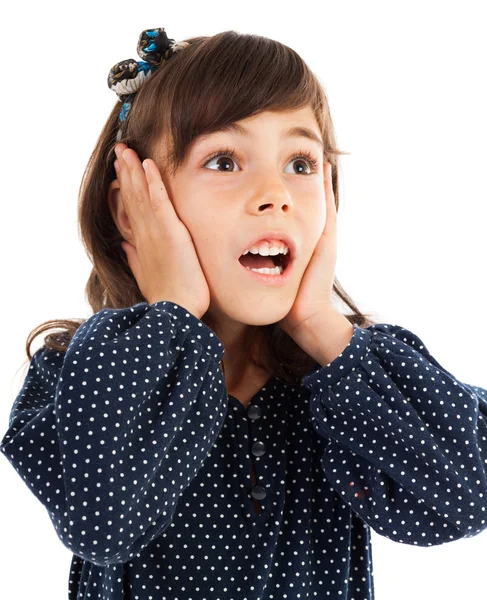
(407, 89)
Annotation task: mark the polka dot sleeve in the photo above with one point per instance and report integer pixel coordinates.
(108, 435)
(406, 442)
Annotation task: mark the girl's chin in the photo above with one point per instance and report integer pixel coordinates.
(259, 318)
(256, 311)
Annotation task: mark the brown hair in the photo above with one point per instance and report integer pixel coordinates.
(214, 81)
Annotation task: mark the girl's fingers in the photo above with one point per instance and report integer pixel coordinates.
(159, 197)
(153, 192)
(162, 207)
(125, 181)
(139, 197)
(330, 196)
(146, 202)
(331, 218)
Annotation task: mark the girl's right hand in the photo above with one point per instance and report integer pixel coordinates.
(162, 258)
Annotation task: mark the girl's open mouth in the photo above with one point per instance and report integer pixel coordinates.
(268, 269)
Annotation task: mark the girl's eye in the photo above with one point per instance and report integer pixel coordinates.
(229, 153)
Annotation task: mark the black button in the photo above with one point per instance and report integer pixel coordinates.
(258, 492)
(258, 448)
(254, 412)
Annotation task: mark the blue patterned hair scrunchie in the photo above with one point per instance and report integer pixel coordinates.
(127, 76)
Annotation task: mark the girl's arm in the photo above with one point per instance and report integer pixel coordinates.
(109, 435)
(407, 442)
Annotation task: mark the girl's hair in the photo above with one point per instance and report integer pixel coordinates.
(213, 82)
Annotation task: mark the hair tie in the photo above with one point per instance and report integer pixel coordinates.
(127, 76)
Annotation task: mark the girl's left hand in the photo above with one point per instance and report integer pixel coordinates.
(315, 291)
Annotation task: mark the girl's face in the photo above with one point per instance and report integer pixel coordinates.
(226, 203)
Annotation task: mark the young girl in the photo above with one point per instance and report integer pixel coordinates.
(218, 428)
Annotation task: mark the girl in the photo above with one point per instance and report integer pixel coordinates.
(218, 428)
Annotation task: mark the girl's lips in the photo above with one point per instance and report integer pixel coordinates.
(274, 235)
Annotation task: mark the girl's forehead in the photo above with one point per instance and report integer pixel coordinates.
(287, 128)
(293, 123)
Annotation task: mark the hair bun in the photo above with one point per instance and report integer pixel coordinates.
(154, 47)
(127, 76)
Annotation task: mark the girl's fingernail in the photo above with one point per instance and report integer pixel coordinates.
(116, 165)
(145, 164)
(117, 151)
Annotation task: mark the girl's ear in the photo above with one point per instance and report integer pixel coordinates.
(117, 211)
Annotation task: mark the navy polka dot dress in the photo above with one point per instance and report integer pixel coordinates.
(143, 461)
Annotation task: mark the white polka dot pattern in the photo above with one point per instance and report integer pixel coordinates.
(143, 461)
(408, 440)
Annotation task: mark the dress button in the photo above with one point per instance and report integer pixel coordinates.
(254, 412)
(258, 492)
(258, 448)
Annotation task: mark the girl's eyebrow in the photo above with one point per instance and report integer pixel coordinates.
(241, 130)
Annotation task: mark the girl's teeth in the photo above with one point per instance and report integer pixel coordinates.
(275, 271)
